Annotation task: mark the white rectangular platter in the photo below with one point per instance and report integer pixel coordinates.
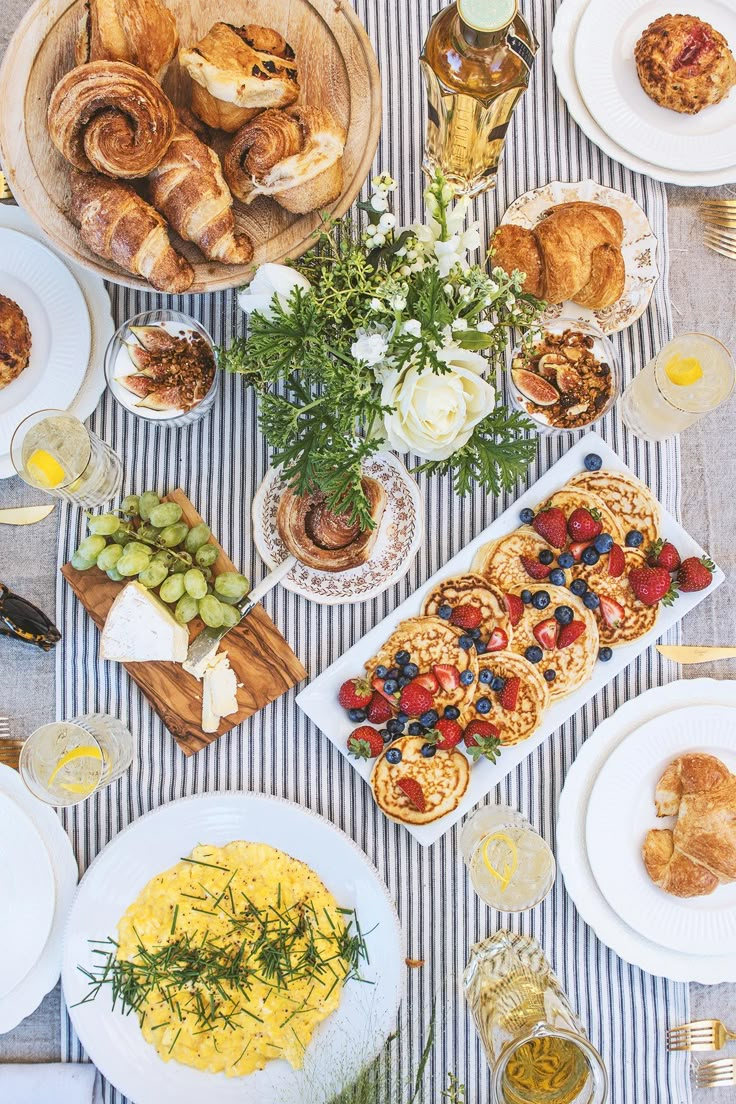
(319, 700)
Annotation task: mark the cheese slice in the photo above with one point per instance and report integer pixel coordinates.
(219, 692)
(140, 629)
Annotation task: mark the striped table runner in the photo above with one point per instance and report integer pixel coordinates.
(220, 463)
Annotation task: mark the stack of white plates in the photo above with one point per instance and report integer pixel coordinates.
(605, 811)
(593, 58)
(38, 877)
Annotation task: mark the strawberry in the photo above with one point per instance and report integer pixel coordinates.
(466, 617)
(428, 681)
(616, 562)
(577, 548)
(377, 685)
(652, 585)
(379, 709)
(445, 734)
(514, 608)
(498, 641)
(551, 525)
(411, 788)
(509, 696)
(482, 741)
(534, 568)
(663, 554)
(570, 633)
(447, 675)
(611, 611)
(365, 742)
(695, 574)
(355, 694)
(546, 633)
(415, 699)
(583, 525)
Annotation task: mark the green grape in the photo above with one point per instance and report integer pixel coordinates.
(179, 567)
(232, 586)
(90, 548)
(168, 513)
(197, 537)
(186, 609)
(206, 555)
(153, 575)
(184, 557)
(207, 572)
(104, 524)
(139, 549)
(230, 616)
(114, 574)
(146, 503)
(147, 532)
(172, 589)
(132, 563)
(211, 611)
(163, 557)
(109, 557)
(81, 563)
(129, 505)
(173, 534)
(123, 535)
(195, 583)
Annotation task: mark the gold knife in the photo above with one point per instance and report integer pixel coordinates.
(695, 653)
(24, 515)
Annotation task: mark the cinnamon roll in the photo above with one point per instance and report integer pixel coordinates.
(142, 32)
(111, 117)
(327, 541)
(294, 156)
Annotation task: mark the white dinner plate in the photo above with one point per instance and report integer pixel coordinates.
(606, 74)
(623, 799)
(341, 1045)
(572, 857)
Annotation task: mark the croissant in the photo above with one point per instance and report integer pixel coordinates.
(142, 32)
(237, 72)
(294, 156)
(115, 223)
(188, 188)
(111, 117)
(327, 541)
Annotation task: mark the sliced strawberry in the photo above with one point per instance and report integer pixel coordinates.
(616, 562)
(514, 608)
(551, 525)
(355, 693)
(377, 685)
(415, 699)
(695, 574)
(611, 611)
(663, 553)
(412, 789)
(583, 525)
(534, 568)
(365, 743)
(445, 734)
(570, 633)
(498, 641)
(652, 585)
(577, 548)
(509, 696)
(380, 709)
(466, 616)
(482, 741)
(546, 633)
(447, 676)
(428, 681)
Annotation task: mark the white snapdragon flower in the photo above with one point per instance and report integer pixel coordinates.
(460, 323)
(271, 282)
(412, 326)
(484, 327)
(370, 346)
(397, 302)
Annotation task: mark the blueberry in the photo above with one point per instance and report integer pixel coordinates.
(357, 714)
(466, 642)
(445, 612)
(475, 633)
(545, 556)
(467, 678)
(578, 586)
(591, 601)
(483, 705)
(395, 727)
(452, 712)
(550, 675)
(590, 556)
(481, 647)
(415, 729)
(403, 680)
(391, 686)
(526, 516)
(566, 559)
(393, 673)
(540, 599)
(605, 654)
(410, 670)
(402, 718)
(429, 718)
(428, 750)
(593, 462)
(486, 677)
(526, 597)
(557, 577)
(386, 736)
(402, 658)
(381, 671)
(634, 539)
(498, 683)
(564, 615)
(393, 755)
(603, 543)
(534, 653)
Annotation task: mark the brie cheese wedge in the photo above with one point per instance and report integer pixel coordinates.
(219, 692)
(140, 629)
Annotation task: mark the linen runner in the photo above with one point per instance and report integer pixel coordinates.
(220, 462)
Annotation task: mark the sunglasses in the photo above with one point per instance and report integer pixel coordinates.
(22, 620)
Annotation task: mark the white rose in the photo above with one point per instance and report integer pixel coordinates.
(434, 415)
(271, 281)
(370, 347)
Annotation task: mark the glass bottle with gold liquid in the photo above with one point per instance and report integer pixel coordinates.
(477, 61)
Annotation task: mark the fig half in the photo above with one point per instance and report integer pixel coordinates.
(533, 387)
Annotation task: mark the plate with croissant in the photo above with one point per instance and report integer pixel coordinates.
(175, 145)
(663, 850)
(587, 250)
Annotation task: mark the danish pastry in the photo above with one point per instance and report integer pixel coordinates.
(684, 64)
(324, 540)
(142, 32)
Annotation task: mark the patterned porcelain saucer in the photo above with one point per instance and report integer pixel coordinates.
(397, 545)
(639, 248)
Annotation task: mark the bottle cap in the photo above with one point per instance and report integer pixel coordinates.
(487, 15)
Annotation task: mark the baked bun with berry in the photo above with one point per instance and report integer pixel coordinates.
(684, 64)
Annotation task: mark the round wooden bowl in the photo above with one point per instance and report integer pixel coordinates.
(337, 70)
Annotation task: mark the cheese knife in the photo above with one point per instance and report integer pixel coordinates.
(25, 515)
(204, 646)
(695, 653)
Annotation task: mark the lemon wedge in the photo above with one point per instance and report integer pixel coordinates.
(44, 469)
(683, 371)
(86, 751)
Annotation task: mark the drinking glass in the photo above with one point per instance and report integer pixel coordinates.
(511, 867)
(691, 376)
(64, 762)
(55, 452)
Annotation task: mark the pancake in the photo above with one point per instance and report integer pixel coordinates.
(518, 724)
(638, 618)
(429, 641)
(501, 564)
(572, 665)
(627, 497)
(444, 779)
(574, 498)
(471, 590)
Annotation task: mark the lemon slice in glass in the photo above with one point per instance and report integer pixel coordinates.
(86, 751)
(44, 469)
(683, 371)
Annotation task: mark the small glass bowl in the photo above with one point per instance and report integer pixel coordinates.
(603, 351)
(117, 363)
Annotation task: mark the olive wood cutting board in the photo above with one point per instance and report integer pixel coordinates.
(264, 663)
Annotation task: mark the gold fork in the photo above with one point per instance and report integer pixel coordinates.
(4, 189)
(699, 1035)
(714, 1075)
(722, 242)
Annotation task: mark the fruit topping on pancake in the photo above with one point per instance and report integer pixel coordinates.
(516, 561)
(559, 635)
(416, 783)
(628, 499)
(470, 603)
(511, 695)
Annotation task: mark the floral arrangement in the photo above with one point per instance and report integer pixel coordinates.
(386, 339)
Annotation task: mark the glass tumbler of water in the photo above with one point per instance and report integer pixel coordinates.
(64, 762)
(511, 867)
(55, 452)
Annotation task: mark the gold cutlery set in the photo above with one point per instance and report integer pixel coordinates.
(719, 216)
(703, 1035)
(9, 749)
